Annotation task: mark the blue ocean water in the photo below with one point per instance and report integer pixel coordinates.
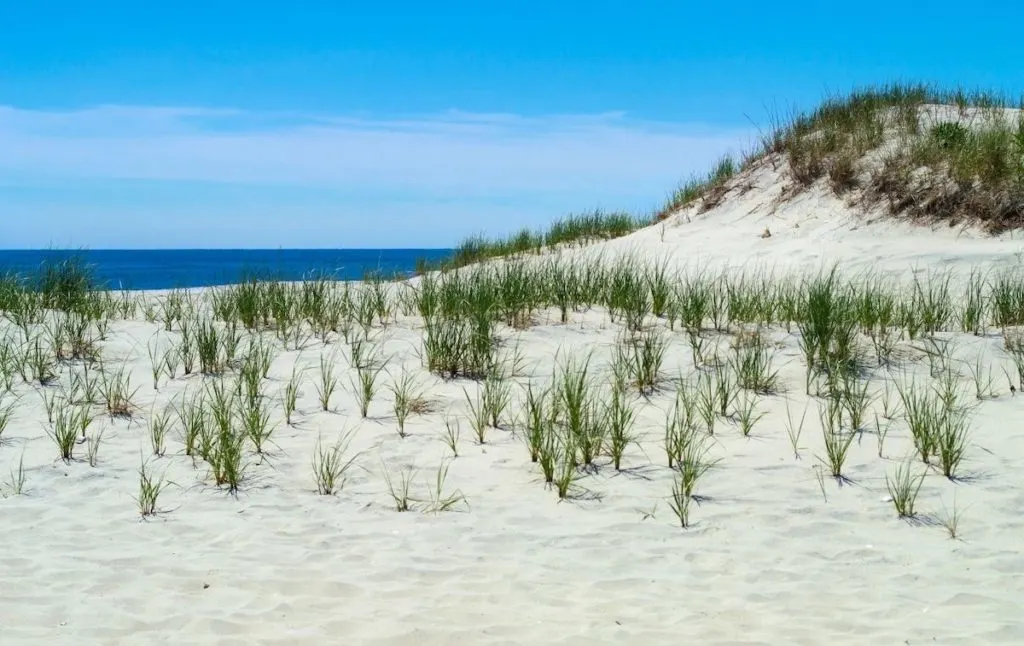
(171, 268)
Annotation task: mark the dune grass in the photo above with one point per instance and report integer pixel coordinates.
(496, 398)
(970, 145)
(6, 413)
(570, 230)
(253, 418)
(451, 434)
(400, 490)
(117, 392)
(438, 501)
(954, 155)
(92, 446)
(794, 431)
(847, 328)
(327, 383)
(64, 430)
(65, 284)
(365, 387)
(837, 439)
(222, 443)
(679, 500)
(620, 418)
(150, 488)
(331, 464)
(700, 187)
(586, 418)
(406, 393)
(478, 414)
(159, 428)
(193, 419)
(16, 482)
(903, 489)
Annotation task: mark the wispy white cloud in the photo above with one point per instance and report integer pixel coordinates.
(605, 159)
(449, 152)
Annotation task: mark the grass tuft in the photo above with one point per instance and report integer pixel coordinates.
(331, 466)
(903, 489)
(150, 489)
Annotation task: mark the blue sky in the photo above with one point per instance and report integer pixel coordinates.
(345, 124)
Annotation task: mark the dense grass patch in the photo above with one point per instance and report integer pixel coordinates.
(950, 155)
(573, 229)
(66, 285)
(700, 187)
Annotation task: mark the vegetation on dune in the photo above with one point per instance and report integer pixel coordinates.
(593, 411)
(68, 285)
(914, 149)
(573, 229)
(590, 412)
(710, 188)
(917, 150)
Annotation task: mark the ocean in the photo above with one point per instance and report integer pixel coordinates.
(171, 268)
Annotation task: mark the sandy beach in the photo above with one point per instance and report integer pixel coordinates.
(785, 412)
(776, 550)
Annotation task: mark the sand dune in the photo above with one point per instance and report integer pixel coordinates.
(773, 554)
(811, 229)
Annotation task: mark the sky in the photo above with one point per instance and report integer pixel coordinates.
(414, 124)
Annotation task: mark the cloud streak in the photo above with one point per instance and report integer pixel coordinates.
(606, 159)
(452, 152)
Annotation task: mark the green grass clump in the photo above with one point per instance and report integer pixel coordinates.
(459, 347)
(679, 500)
(938, 422)
(6, 412)
(681, 425)
(565, 474)
(407, 395)
(253, 415)
(325, 386)
(700, 187)
(92, 447)
(747, 414)
(573, 229)
(837, 439)
(290, 394)
(64, 431)
(639, 360)
(751, 362)
(401, 490)
(150, 488)
(496, 398)
(828, 329)
(331, 465)
(478, 415)
(159, 427)
(222, 444)
(65, 284)
(365, 386)
(117, 392)
(439, 501)
(16, 483)
(903, 489)
(537, 414)
(193, 420)
(619, 420)
(451, 435)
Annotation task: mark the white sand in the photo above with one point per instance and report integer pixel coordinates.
(767, 559)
